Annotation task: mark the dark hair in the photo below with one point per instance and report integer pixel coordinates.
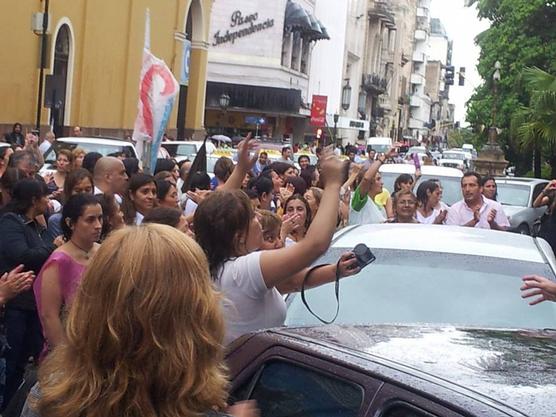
(308, 175)
(134, 183)
(19, 156)
(163, 215)
(263, 153)
(261, 185)
(162, 175)
(109, 211)
(285, 148)
(219, 221)
(73, 209)
(3, 151)
(486, 179)
(299, 184)
(163, 164)
(223, 168)
(303, 157)
(183, 161)
(402, 179)
(90, 160)
(424, 188)
(24, 195)
(163, 187)
(199, 180)
(10, 178)
(309, 216)
(74, 178)
(131, 166)
(280, 167)
(472, 174)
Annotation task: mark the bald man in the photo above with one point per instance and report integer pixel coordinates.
(110, 176)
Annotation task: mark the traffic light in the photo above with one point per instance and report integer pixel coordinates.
(461, 76)
(449, 75)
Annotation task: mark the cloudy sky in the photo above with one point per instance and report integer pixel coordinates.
(462, 25)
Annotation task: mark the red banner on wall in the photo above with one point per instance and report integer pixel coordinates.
(318, 111)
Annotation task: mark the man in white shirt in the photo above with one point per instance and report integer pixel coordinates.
(475, 210)
(47, 142)
(287, 155)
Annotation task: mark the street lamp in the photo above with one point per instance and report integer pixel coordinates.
(224, 102)
(336, 118)
(346, 95)
(362, 102)
(493, 131)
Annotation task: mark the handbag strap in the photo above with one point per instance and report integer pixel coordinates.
(336, 291)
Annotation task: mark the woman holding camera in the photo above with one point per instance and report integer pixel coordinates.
(253, 281)
(548, 220)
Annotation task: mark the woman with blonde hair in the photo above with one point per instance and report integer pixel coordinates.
(78, 156)
(151, 347)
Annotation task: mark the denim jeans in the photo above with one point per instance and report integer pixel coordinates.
(24, 335)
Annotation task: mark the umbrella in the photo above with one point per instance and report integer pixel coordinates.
(221, 138)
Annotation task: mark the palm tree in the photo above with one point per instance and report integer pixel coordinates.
(535, 125)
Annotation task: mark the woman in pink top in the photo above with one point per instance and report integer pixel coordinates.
(60, 276)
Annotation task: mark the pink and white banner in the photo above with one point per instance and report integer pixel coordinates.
(157, 91)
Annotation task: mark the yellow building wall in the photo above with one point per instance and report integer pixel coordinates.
(108, 40)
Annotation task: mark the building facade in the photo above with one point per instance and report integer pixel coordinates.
(259, 66)
(93, 61)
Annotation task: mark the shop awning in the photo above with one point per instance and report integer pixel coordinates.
(299, 19)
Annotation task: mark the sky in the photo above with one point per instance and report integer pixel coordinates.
(462, 26)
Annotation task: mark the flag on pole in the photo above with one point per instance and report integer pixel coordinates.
(157, 91)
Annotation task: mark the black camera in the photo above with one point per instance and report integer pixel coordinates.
(363, 255)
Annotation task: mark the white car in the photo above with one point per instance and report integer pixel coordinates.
(104, 146)
(450, 178)
(180, 150)
(431, 274)
(456, 159)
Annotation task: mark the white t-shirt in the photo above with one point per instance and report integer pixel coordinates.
(427, 220)
(248, 304)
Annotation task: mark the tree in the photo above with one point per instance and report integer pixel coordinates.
(522, 34)
(535, 124)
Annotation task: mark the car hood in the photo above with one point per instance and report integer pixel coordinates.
(516, 368)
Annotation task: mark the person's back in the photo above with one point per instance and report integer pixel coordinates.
(160, 328)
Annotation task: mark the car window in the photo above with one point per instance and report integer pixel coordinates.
(538, 189)
(185, 149)
(451, 186)
(453, 155)
(103, 149)
(513, 194)
(410, 287)
(285, 389)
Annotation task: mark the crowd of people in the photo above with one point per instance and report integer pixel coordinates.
(109, 273)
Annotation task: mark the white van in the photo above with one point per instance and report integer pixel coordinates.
(379, 144)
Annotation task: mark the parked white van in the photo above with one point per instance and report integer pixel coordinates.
(379, 144)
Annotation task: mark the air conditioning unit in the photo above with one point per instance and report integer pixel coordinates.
(37, 22)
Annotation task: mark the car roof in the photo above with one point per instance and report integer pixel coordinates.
(183, 142)
(95, 140)
(429, 170)
(503, 368)
(520, 180)
(446, 239)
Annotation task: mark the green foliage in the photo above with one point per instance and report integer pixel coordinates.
(456, 138)
(522, 34)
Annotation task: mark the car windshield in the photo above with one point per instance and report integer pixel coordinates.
(312, 158)
(410, 287)
(184, 149)
(103, 149)
(453, 155)
(451, 187)
(380, 148)
(513, 194)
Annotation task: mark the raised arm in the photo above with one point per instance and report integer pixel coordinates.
(279, 265)
(244, 164)
(369, 176)
(542, 199)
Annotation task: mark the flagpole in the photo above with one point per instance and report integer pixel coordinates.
(146, 157)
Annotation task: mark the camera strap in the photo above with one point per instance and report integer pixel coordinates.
(336, 291)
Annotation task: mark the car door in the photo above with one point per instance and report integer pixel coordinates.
(288, 383)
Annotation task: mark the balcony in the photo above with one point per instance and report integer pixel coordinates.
(381, 10)
(374, 84)
(417, 79)
(418, 57)
(421, 35)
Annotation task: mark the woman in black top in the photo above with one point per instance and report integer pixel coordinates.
(22, 243)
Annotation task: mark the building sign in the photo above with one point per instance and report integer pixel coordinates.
(240, 27)
(318, 110)
(347, 123)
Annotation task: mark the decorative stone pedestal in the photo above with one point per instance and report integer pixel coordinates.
(491, 160)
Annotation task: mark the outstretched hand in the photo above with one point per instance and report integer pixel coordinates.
(348, 265)
(245, 160)
(541, 288)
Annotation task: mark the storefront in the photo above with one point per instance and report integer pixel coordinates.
(258, 67)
